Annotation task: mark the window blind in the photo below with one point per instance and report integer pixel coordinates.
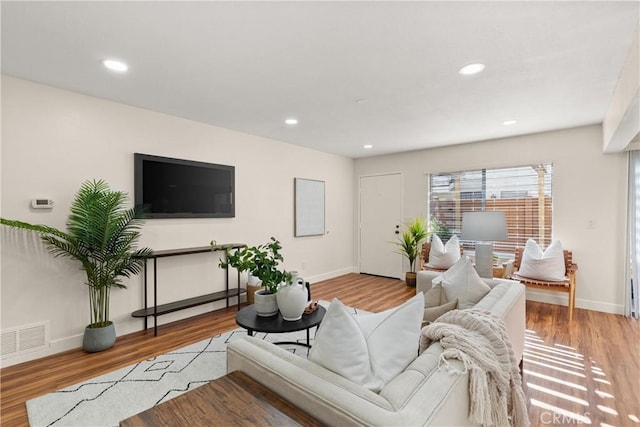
(524, 193)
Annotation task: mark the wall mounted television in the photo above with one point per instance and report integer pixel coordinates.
(176, 188)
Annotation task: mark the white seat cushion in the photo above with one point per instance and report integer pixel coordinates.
(462, 282)
(443, 256)
(369, 349)
(547, 265)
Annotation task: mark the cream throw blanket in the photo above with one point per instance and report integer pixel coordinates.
(479, 339)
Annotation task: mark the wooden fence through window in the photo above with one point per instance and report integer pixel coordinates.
(523, 220)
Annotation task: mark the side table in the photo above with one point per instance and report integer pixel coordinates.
(498, 272)
(248, 319)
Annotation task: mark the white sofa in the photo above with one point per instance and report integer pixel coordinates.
(423, 394)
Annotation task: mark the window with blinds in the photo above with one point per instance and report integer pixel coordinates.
(523, 193)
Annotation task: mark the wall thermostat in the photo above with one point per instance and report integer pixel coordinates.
(42, 204)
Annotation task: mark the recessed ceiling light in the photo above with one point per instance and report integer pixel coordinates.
(368, 146)
(509, 122)
(291, 121)
(470, 69)
(115, 65)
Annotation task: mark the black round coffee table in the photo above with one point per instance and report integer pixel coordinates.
(248, 319)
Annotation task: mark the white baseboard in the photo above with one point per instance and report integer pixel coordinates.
(331, 274)
(55, 346)
(560, 298)
(125, 324)
(600, 306)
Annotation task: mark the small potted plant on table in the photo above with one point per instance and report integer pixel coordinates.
(262, 262)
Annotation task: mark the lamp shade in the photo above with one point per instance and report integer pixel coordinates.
(484, 226)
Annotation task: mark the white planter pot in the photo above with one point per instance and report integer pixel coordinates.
(292, 299)
(266, 304)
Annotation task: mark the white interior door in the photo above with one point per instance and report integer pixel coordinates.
(380, 215)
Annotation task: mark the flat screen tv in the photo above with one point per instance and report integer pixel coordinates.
(175, 188)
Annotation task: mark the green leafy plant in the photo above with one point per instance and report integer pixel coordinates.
(440, 229)
(261, 261)
(410, 241)
(102, 233)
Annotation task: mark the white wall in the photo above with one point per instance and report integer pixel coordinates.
(587, 186)
(52, 140)
(621, 124)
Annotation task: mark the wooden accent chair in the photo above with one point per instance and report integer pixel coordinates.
(567, 285)
(424, 258)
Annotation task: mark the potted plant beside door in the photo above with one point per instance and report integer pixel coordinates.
(409, 244)
(102, 233)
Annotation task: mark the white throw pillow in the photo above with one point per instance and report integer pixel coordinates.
(433, 297)
(431, 314)
(369, 349)
(462, 282)
(547, 265)
(443, 256)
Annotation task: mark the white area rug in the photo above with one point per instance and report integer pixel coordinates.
(112, 397)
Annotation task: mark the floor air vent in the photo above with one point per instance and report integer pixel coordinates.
(23, 339)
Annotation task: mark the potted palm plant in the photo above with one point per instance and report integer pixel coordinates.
(263, 262)
(101, 233)
(409, 244)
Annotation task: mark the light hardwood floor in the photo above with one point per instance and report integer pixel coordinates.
(585, 371)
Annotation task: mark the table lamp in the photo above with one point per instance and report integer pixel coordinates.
(484, 228)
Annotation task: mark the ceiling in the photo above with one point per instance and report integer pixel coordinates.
(352, 73)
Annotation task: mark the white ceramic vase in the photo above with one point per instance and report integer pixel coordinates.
(292, 299)
(265, 304)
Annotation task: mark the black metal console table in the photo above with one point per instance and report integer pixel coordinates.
(158, 310)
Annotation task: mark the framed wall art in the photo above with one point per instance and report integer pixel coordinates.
(309, 207)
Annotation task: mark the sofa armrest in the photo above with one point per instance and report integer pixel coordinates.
(424, 279)
(507, 300)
